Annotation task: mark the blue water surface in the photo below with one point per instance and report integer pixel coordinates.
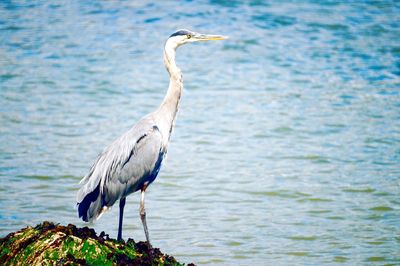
(286, 149)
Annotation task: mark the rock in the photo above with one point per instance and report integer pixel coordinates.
(53, 244)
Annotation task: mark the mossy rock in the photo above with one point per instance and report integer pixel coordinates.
(53, 244)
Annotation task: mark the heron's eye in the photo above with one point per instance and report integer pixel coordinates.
(189, 36)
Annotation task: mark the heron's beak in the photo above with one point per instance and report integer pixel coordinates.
(205, 37)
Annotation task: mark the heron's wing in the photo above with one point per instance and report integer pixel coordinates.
(141, 165)
(110, 162)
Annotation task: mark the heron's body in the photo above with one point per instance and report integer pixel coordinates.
(132, 161)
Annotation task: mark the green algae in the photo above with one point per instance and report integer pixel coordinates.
(381, 209)
(51, 244)
(340, 259)
(304, 238)
(297, 253)
(376, 259)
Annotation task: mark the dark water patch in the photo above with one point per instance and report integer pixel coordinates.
(303, 238)
(236, 47)
(60, 208)
(40, 187)
(331, 27)
(374, 217)
(240, 257)
(335, 218)
(234, 243)
(310, 157)
(151, 20)
(375, 243)
(395, 50)
(298, 253)
(261, 136)
(13, 28)
(251, 42)
(272, 21)
(381, 209)
(231, 219)
(315, 200)
(383, 194)
(375, 259)
(52, 194)
(37, 177)
(319, 211)
(8, 76)
(213, 261)
(379, 141)
(283, 130)
(280, 194)
(340, 259)
(359, 190)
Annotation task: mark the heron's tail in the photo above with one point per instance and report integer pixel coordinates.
(91, 206)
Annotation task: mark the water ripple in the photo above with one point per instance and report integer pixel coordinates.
(286, 147)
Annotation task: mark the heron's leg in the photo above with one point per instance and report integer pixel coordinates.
(143, 215)
(121, 217)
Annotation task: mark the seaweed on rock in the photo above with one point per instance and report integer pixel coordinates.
(54, 244)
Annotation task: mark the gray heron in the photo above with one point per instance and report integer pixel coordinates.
(133, 160)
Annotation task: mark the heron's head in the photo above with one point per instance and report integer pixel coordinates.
(186, 36)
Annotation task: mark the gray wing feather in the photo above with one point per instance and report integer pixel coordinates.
(119, 168)
(137, 167)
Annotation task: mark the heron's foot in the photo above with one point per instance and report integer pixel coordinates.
(149, 249)
(152, 254)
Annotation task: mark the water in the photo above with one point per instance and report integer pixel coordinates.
(286, 149)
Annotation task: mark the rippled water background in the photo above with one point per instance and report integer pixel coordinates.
(287, 145)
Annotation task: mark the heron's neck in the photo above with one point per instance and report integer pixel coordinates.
(170, 104)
